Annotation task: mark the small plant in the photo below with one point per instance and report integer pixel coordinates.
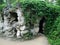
(28, 36)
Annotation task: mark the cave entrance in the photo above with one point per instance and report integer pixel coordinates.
(13, 20)
(14, 16)
(41, 25)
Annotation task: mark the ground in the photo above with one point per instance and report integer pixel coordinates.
(41, 40)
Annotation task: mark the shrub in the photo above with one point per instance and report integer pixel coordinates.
(33, 10)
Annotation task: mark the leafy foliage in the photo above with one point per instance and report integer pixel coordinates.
(1, 1)
(34, 9)
(28, 36)
(58, 2)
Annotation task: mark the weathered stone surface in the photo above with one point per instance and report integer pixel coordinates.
(1, 26)
(14, 24)
(35, 30)
(11, 26)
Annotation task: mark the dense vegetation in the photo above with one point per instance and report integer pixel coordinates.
(34, 9)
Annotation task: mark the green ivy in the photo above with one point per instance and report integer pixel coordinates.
(33, 10)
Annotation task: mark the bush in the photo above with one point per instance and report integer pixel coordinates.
(33, 10)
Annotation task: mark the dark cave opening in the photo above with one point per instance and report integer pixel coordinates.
(41, 25)
(14, 15)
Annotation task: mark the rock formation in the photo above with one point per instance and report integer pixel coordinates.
(13, 23)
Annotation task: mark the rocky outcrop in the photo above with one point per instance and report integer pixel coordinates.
(13, 24)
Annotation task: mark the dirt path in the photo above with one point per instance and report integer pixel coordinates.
(42, 40)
